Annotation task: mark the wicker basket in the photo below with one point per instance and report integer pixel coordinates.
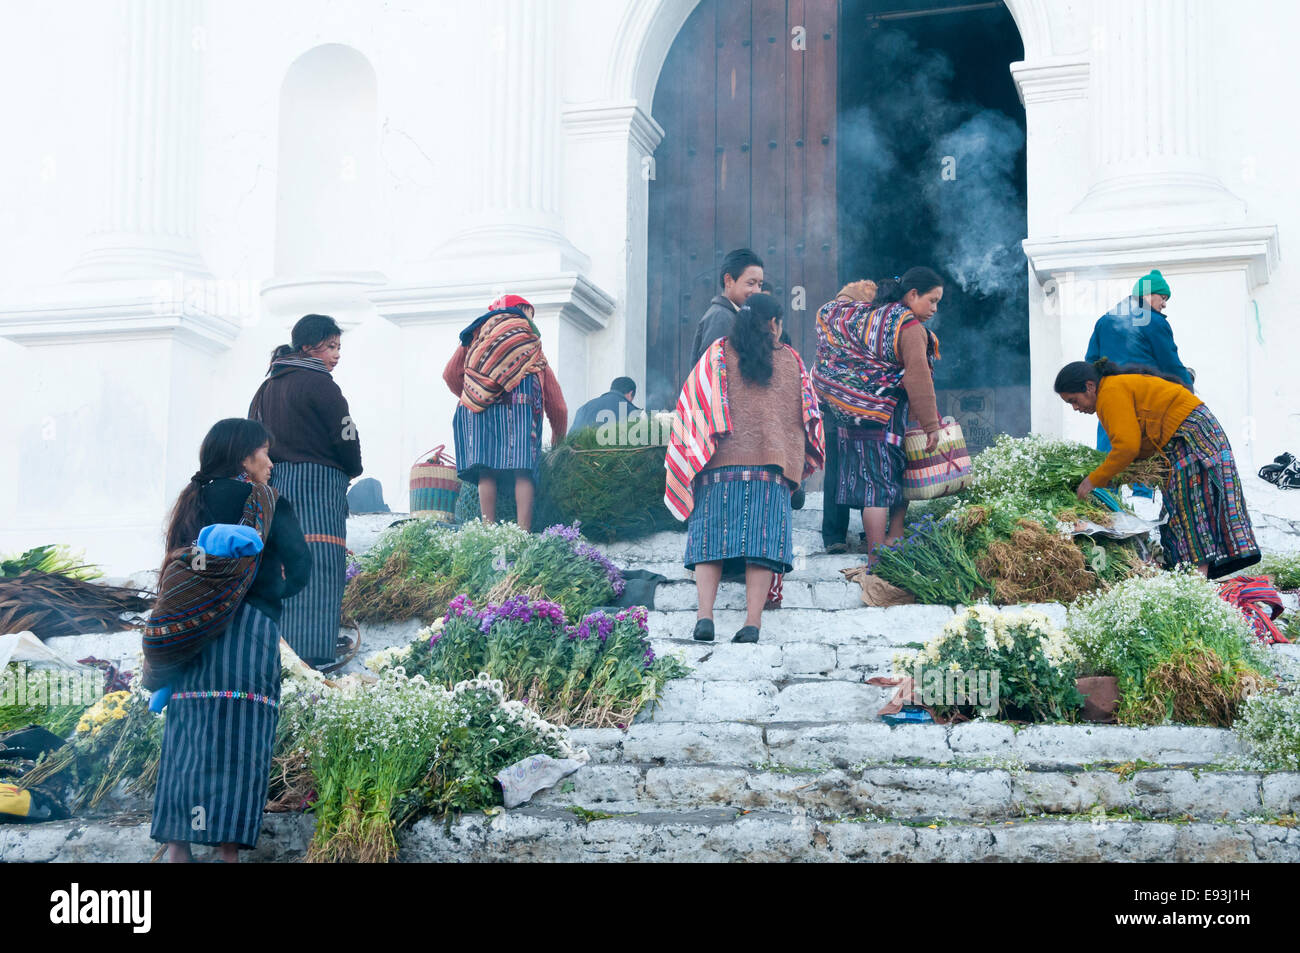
(944, 470)
(434, 486)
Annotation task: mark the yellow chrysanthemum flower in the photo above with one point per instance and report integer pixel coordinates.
(112, 707)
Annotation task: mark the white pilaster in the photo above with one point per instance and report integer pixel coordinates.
(148, 219)
(1151, 116)
(611, 162)
(515, 226)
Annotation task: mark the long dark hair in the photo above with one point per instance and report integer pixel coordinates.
(310, 330)
(1075, 376)
(919, 279)
(221, 455)
(752, 337)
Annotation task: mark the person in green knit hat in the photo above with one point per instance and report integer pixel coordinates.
(1136, 331)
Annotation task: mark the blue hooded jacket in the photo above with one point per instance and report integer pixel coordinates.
(1132, 334)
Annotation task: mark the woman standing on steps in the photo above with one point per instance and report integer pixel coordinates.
(222, 711)
(316, 453)
(746, 430)
(874, 368)
(504, 387)
(1144, 413)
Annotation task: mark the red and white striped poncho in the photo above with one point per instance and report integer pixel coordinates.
(702, 416)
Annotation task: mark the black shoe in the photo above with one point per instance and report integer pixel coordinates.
(748, 634)
(835, 549)
(797, 499)
(703, 630)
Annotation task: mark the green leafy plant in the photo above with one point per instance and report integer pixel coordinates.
(378, 755)
(52, 698)
(1284, 570)
(933, 563)
(1178, 651)
(1269, 724)
(51, 558)
(418, 567)
(1008, 544)
(1033, 660)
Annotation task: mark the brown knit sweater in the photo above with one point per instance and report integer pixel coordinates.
(922, 404)
(766, 422)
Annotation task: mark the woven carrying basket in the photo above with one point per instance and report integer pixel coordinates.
(944, 470)
(434, 486)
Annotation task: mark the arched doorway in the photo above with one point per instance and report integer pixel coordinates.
(893, 137)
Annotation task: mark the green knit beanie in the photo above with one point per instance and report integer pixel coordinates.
(1152, 283)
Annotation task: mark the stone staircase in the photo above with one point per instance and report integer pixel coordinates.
(775, 752)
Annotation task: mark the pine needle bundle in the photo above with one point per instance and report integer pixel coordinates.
(615, 490)
(52, 604)
(1035, 565)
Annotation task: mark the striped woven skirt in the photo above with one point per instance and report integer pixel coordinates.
(1203, 496)
(871, 467)
(741, 515)
(505, 436)
(218, 737)
(310, 619)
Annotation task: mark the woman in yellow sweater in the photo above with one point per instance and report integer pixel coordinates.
(1144, 413)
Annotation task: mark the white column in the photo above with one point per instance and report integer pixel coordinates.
(1151, 113)
(147, 228)
(516, 212)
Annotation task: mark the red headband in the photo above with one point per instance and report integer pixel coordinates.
(510, 301)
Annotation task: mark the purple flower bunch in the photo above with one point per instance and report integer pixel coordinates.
(601, 623)
(353, 569)
(637, 614)
(459, 606)
(573, 536)
(612, 572)
(517, 608)
(570, 534)
(649, 657)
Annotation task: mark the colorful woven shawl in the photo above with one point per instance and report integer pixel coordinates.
(1259, 602)
(506, 349)
(702, 415)
(859, 366)
(198, 595)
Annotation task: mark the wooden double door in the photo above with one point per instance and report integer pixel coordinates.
(747, 100)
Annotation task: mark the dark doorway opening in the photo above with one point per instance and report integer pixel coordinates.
(931, 171)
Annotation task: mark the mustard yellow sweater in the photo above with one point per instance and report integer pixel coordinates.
(1140, 414)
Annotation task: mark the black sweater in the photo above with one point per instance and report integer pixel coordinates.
(309, 420)
(286, 560)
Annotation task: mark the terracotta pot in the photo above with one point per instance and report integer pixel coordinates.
(1100, 698)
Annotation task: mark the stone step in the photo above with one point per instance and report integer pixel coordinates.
(898, 625)
(541, 834)
(794, 595)
(840, 744)
(558, 835)
(932, 792)
(761, 701)
(780, 662)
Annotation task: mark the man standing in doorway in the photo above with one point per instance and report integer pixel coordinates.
(1136, 331)
(742, 276)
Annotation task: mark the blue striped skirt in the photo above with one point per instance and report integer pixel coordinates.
(740, 516)
(218, 737)
(310, 619)
(505, 436)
